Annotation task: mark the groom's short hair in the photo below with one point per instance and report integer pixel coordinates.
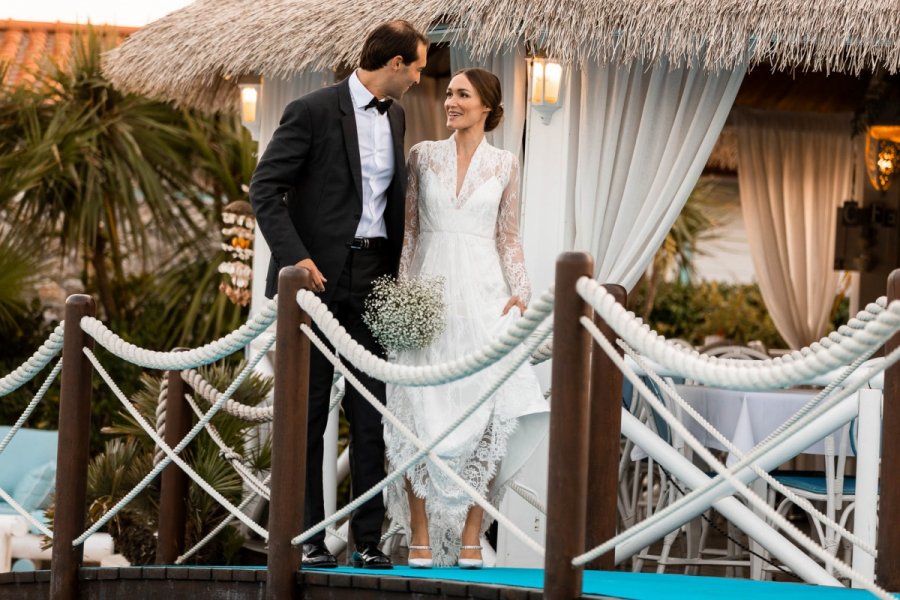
(394, 38)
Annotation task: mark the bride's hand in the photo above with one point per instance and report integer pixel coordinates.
(514, 301)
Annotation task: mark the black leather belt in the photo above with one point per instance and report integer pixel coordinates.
(368, 243)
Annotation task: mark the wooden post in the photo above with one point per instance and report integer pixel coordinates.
(290, 407)
(887, 568)
(174, 482)
(605, 437)
(73, 451)
(567, 470)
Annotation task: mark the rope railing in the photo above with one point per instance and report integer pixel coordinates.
(724, 475)
(472, 362)
(836, 350)
(34, 364)
(189, 359)
(525, 341)
(172, 453)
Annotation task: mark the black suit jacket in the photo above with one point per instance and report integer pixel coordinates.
(307, 189)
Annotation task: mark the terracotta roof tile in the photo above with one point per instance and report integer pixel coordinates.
(28, 46)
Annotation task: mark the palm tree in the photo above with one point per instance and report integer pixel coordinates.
(103, 172)
(696, 223)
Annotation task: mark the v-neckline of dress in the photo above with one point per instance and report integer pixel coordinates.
(460, 186)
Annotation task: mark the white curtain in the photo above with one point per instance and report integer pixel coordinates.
(794, 170)
(641, 136)
(274, 96)
(511, 69)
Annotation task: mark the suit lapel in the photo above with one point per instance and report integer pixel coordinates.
(351, 139)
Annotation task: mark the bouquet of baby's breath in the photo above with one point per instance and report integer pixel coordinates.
(405, 315)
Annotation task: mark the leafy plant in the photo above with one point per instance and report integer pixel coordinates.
(128, 457)
(693, 311)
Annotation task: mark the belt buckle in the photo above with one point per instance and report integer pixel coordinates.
(359, 244)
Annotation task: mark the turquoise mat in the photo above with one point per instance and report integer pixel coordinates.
(621, 584)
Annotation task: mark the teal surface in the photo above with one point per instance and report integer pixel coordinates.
(620, 584)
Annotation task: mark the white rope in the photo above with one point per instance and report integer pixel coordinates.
(162, 400)
(394, 530)
(37, 361)
(253, 414)
(231, 455)
(171, 454)
(831, 352)
(724, 474)
(8, 437)
(527, 495)
(189, 359)
(383, 370)
(424, 450)
(734, 450)
(218, 528)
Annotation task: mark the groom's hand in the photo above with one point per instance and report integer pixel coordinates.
(514, 301)
(317, 280)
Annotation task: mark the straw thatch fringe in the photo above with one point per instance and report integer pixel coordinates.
(194, 55)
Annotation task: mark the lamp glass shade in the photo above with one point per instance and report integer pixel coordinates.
(249, 96)
(537, 81)
(552, 78)
(882, 156)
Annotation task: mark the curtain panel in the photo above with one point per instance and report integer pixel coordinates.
(641, 135)
(794, 170)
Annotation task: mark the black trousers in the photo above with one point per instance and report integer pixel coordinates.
(366, 431)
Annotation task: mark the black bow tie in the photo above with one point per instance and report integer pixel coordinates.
(381, 105)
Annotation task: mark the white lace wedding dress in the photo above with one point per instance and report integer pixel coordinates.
(472, 240)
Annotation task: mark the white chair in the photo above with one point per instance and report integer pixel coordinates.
(831, 489)
(732, 557)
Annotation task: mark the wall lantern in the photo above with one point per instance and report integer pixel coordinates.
(250, 88)
(546, 85)
(882, 155)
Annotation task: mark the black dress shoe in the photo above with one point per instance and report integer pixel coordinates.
(317, 556)
(368, 556)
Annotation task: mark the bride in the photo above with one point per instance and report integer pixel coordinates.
(462, 223)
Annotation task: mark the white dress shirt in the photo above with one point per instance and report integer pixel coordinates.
(376, 155)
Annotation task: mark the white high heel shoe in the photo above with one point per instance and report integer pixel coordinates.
(470, 563)
(420, 563)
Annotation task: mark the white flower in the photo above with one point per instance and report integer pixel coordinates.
(405, 315)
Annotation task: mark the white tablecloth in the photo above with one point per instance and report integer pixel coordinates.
(745, 418)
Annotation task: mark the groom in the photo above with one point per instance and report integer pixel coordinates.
(329, 196)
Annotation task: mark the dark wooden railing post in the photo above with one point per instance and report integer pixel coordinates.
(887, 567)
(174, 482)
(567, 470)
(291, 395)
(72, 452)
(606, 432)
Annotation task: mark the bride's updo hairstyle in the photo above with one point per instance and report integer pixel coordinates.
(487, 86)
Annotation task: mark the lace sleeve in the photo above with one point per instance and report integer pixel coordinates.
(411, 228)
(512, 259)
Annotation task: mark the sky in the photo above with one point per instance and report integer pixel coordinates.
(130, 13)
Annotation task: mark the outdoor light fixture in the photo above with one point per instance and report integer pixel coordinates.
(546, 80)
(882, 155)
(250, 87)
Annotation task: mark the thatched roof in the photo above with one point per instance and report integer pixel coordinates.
(193, 55)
